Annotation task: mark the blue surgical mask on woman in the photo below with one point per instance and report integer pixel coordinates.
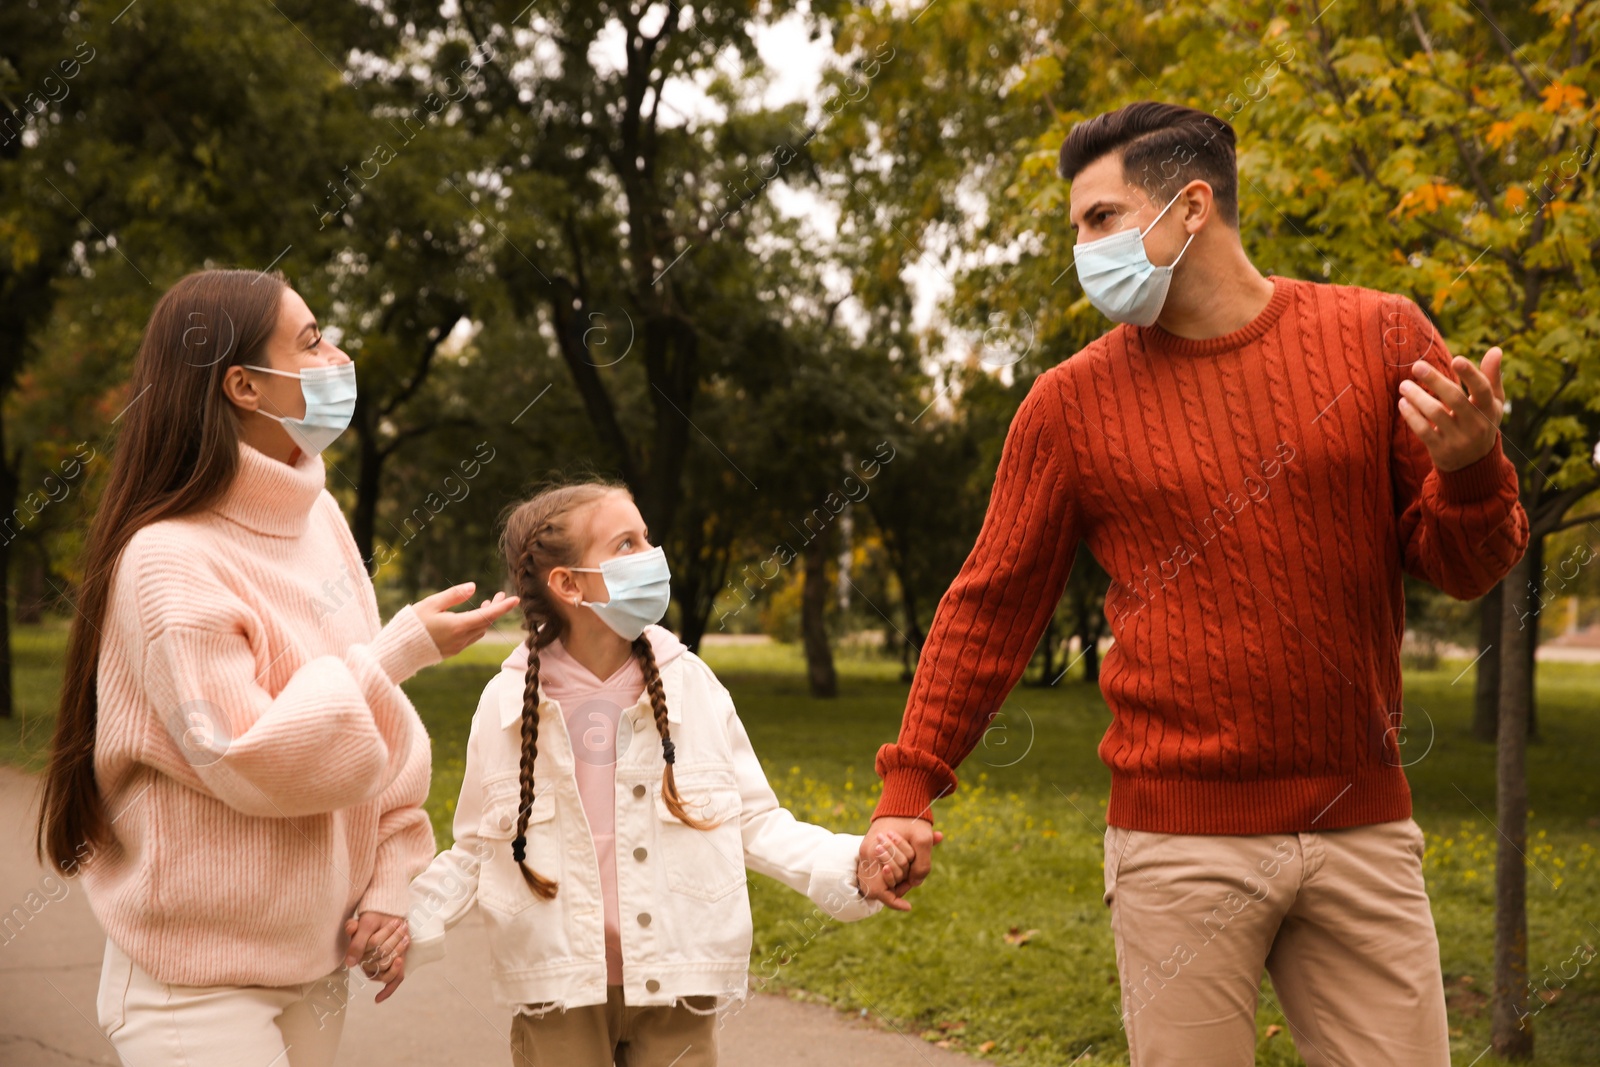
(1118, 277)
(330, 394)
(640, 586)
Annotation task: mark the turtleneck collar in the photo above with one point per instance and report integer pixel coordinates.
(271, 496)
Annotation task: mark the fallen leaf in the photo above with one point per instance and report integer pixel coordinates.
(1018, 936)
(1274, 1030)
(987, 1046)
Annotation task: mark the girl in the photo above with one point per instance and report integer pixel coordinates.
(610, 806)
(235, 768)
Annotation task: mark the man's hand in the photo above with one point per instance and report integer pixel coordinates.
(1458, 428)
(453, 631)
(378, 942)
(893, 835)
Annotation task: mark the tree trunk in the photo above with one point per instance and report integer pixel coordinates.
(813, 623)
(1090, 622)
(32, 567)
(1535, 609)
(1486, 698)
(8, 505)
(1047, 645)
(1511, 1034)
(913, 636)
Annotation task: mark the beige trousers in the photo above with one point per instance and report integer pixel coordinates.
(603, 1035)
(157, 1024)
(1339, 919)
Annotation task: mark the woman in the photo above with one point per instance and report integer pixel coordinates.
(236, 769)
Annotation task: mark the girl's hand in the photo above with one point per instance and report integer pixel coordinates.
(379, 943)
(909, 835)
(891, 858)
(453, 631)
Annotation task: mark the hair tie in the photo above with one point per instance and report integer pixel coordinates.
(519, 848)
(666, 749)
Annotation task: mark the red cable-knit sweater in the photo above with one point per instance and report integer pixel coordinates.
(1255, 498)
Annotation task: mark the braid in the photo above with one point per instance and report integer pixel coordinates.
(658, 704)
(541, 885)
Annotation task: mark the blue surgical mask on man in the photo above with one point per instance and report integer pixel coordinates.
(330, 394)
(1118, 277)
(640, 587)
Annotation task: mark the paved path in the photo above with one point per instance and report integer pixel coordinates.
(50, 968)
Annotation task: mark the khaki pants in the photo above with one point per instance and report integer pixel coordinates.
(157, 1024)
(600, 1035)
(1339, 919)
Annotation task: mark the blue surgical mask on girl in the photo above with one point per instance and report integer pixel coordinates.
(640, 586)
(330, 394)
(1118, 277)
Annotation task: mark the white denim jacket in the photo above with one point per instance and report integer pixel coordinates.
(686, 928)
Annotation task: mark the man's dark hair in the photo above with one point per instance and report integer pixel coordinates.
(1164, 147)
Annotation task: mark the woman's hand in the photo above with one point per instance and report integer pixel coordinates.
(453, 631)
(379, 942)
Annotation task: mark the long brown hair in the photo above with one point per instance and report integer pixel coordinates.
(177, 450)
(540, 534)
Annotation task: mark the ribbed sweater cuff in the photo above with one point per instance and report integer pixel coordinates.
(403, 647)
(389, 899)
(909, 793)
(1480, 480)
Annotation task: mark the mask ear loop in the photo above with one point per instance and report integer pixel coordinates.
(281, 420)
(591, 603)
(1145, 232)
(1181, 251)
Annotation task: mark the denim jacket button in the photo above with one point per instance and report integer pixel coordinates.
(652, 986)
(644, 920)
(638, 790)
(639, 854)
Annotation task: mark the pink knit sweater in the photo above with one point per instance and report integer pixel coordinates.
(262, 769)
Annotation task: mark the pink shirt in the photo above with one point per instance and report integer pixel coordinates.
(592, 708)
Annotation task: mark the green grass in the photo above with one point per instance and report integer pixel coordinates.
(1023, 851)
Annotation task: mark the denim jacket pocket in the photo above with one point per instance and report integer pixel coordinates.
(501, 886)
(704, 864)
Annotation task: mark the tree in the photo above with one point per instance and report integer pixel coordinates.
(138, 143)
(607, 214)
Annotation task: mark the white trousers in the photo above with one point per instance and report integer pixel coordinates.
(157, 1024)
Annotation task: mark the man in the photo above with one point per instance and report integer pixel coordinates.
(1254, 460)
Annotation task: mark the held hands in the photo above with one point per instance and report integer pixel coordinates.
(453, 631)
(891, 860)
(895, 857)
(379, 942)
(1457, 427)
